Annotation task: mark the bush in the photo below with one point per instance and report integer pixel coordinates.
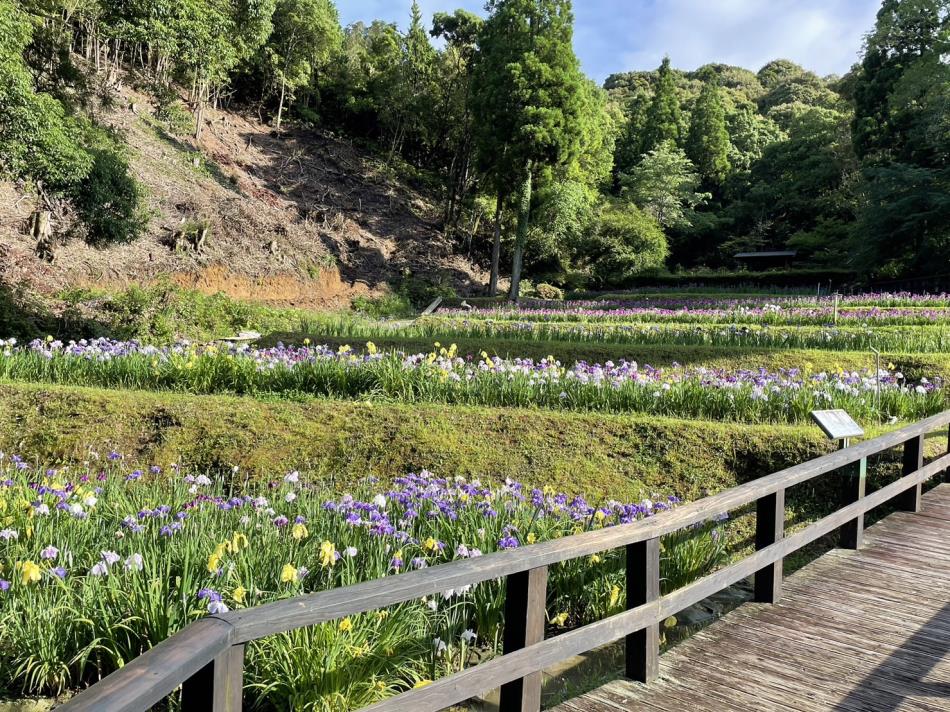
(109, 201)
(421, 292)
(386, 306)
(170, 110)
(549, 292)
(628, 242)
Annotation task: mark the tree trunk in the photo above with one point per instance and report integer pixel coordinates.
(496, 247)
(280, 106)
(521, 237)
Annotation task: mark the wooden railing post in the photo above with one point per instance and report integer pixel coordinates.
(910, 501)
(218, 686)
(525, 609)
(769, 529)
(853, 486)
(946, 473)
(643, 586)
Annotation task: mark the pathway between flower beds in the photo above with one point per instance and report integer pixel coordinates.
(856, 631)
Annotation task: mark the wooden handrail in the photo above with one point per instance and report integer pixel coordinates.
(207, 656)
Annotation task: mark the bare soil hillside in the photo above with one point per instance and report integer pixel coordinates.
(303, 219)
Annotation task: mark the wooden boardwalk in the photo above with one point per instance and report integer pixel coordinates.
(855, 631)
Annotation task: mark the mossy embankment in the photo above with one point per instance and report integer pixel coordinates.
(604, 456)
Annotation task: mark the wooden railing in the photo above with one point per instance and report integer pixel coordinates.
(206, 659)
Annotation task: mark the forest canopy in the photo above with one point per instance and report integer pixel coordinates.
(535, 166)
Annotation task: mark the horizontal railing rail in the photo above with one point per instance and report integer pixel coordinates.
(206, 658)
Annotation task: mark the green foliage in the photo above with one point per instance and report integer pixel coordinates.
(163, 313)
(707, 144)
(549, 292)
(38, 140)
(384, 307)
(109, 202)
(900, 131)
(306, 33)
(170, 110)
(664, 119)
(529, 101)
(627, 242)
(665, 185)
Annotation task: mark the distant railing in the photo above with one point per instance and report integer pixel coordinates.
(206, 659)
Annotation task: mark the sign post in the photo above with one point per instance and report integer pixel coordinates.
(840, 426)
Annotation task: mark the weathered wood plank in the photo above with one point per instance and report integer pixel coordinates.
(855, 631)
(157, 673)
(287, 615)
(525, 600)
(769, 529)
(643, 586)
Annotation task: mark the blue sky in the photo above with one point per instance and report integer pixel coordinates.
(618, 35)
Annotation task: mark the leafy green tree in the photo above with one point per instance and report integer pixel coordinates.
(415, 91)
(528, 99)
(707, 145)
(306, 33)
(779, 71)
(626, 242)
(664, 119)
(800, 192)
(907, 32)
(38, 139)
(749, 135)
(665, 185)
(900, 131)
(454, 127)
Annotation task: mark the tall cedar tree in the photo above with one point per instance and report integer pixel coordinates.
(905, 32)
(664, 117)
(528, 104)
(708, 142)
(902, 96)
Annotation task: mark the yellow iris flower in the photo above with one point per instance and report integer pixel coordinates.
(29, 572)
(288, 574)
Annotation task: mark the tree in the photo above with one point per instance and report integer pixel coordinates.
(626, 242)
(665, 185)
(38, 140)
(460, 31)
(708, 142)
(906, 32)
(900, 131)
(664, 119)
(306, 34)
(528, 102)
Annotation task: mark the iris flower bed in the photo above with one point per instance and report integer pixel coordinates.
(102, 560)
(673, 300)
(679, 296)
(774, 314)
(922, 339)
(445, 377)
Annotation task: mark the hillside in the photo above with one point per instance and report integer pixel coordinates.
(305, 219)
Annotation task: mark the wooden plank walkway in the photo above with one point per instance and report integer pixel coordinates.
(855, 631)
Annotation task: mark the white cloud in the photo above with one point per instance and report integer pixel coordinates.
(822, 35)
(619, 35)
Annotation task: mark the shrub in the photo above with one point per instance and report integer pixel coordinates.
(109, 201)
(170, 110)
(628, 242)
(549, 292)
(386, 306)
(422, 292)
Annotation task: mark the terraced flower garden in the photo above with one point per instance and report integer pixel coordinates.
(157, 483)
